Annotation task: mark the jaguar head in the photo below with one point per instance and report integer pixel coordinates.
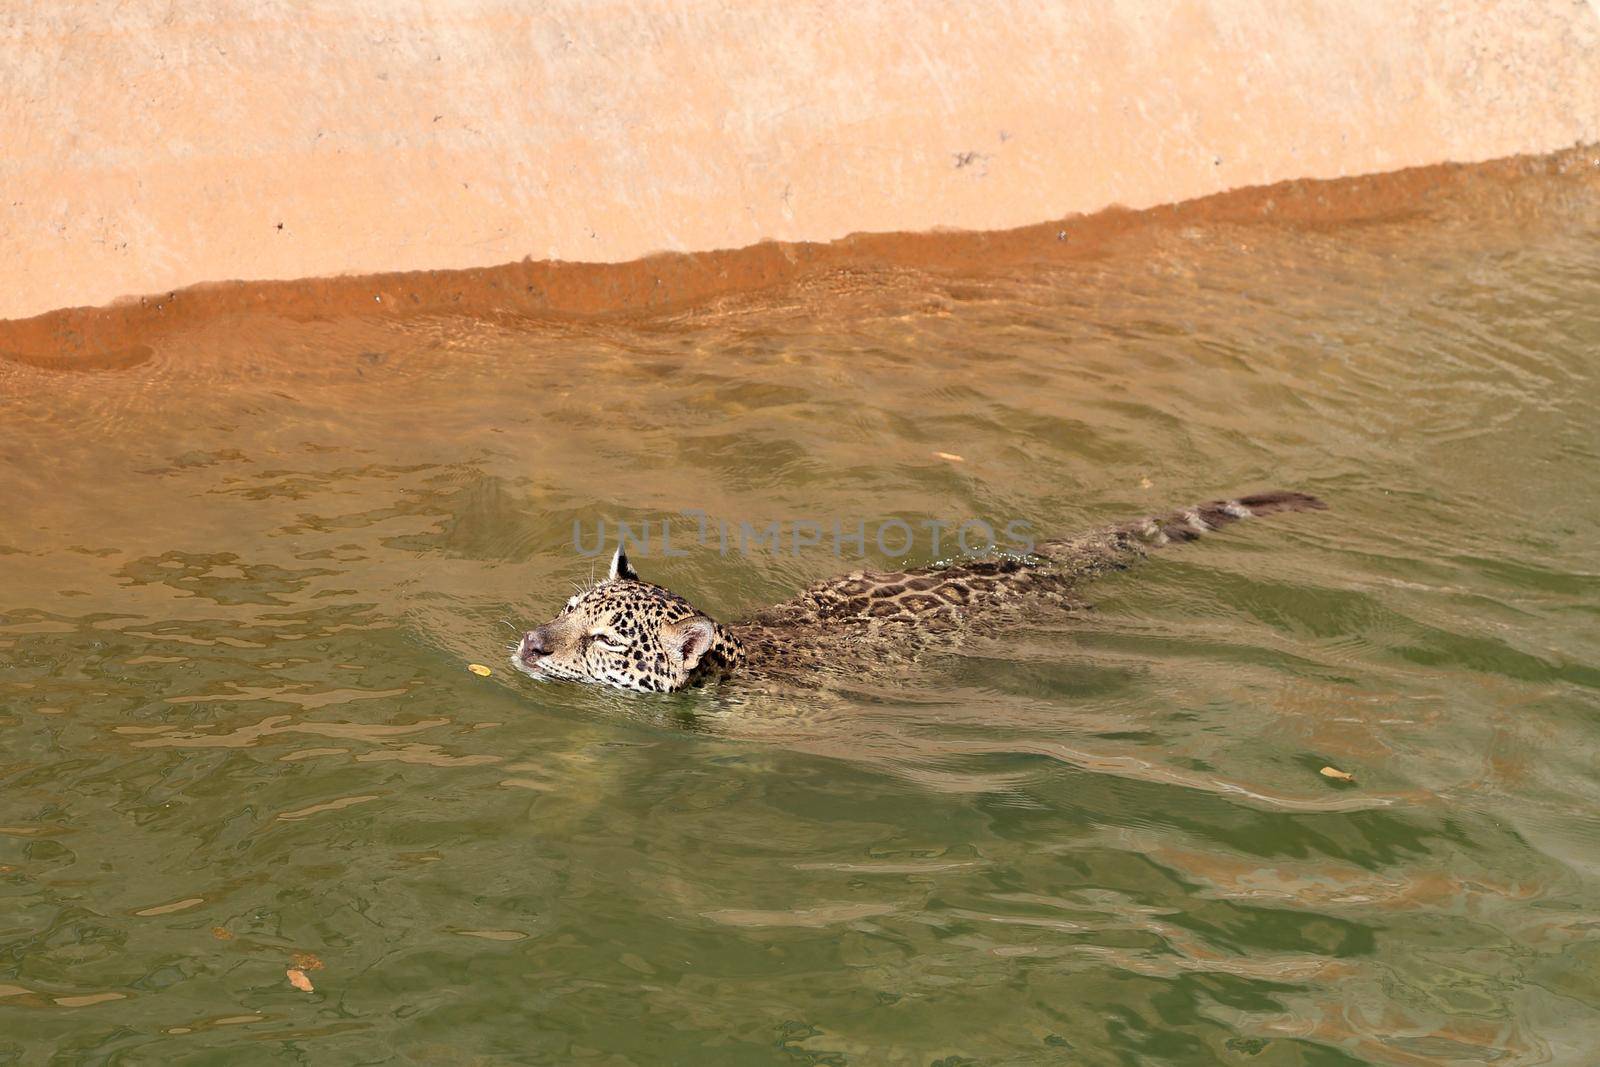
(629, 634)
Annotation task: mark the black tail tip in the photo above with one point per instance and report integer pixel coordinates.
(1281, 500)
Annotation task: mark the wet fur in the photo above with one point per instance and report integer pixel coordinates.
(848, 624)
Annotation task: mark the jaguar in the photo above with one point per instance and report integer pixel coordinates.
(631, 634)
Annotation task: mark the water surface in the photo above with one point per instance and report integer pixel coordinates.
(241, 580)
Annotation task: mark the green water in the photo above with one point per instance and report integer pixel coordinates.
(241, 582)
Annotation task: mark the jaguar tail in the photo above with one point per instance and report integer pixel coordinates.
(1187, 524)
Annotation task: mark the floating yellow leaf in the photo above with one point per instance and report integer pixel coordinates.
(1337, 775)
(1145, 483)
(221, 934)
(951, 456)
(306, 961)
(479, 669)
(298, 979)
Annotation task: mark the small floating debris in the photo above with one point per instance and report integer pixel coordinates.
(306, 961)
(298, 979)
(951, 456)
(1145, 482)
(1337, 775)
(168, 909)
(479, 669)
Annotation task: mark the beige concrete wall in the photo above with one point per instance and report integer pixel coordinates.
(148, 144)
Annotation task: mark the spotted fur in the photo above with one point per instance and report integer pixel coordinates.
(627, 633)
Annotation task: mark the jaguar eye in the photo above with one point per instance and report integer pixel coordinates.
(604, 643)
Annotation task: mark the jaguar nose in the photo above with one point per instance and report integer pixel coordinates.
(536, 642)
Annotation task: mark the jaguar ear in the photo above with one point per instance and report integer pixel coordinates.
(690, 639)
(621, 568)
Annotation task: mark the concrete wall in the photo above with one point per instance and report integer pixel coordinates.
(148, 145)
